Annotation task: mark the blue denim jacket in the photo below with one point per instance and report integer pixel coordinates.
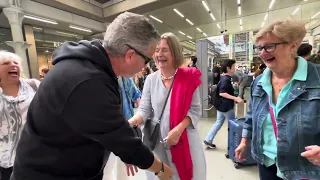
(129, 94)
(298, 125)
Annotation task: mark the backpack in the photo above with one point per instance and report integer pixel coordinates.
(214, 97)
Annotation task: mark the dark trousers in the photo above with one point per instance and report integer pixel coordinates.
(5, 173)
(268, 173)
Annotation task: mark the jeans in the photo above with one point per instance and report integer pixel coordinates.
(241, 90)
(268, 173)
(221, 116)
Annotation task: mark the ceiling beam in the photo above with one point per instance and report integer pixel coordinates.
(136, 6)
(92, 10)
(34, 8)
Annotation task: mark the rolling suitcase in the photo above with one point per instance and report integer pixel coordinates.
(235, 127)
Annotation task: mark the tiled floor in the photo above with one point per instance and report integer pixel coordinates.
(218, 167)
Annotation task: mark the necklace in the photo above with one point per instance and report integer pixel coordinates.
(168, 78)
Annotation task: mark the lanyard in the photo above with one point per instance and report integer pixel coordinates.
(273, 119)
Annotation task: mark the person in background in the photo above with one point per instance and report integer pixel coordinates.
(315, 58)
(179, 143)
(193, 62)
(260, 70)
(216, 74)
(16, 95)
(75, 120)
(283, 118)
(139, 79)
(304, 51)
(153, 66)
(241, 79)
(44, 72)
(130, 94)
(226, 100)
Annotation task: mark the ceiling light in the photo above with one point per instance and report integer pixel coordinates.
(295, 11)
(192, 42)
(239, 10)
(205, 34)
(182, 33)
(241, 28)
(262, 24)
(199, 29)
(40, 19)
(305, 0)
(80, 28)
(239, 1)
(205, 5)
(271, 3)
(266, 16)
(37, 28)
(156, 19)
(68, 34)
(189, 37)
(218, 26)
(315, 15)
(189, 22)
(178, 12)
(212, 16)
(240, 21)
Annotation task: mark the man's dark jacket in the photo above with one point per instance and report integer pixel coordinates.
(75, 120)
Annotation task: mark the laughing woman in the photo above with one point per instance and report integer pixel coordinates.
(178, 144)
(15, 97)
(283, 121)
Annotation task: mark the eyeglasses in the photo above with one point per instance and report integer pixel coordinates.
(268, 48)
(146, 59)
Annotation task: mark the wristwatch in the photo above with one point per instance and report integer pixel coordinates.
(160, 173)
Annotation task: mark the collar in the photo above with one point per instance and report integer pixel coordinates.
(299, 75)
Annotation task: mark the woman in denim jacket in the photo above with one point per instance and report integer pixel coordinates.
(283, 121)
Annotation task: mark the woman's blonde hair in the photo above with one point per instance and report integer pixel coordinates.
(287, 31)
(175, 48)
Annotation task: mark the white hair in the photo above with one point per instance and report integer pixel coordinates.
(6, 56)
(132, 29)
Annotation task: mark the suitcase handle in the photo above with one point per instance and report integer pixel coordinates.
(244, 109)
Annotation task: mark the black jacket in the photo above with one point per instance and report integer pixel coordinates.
(75, 120)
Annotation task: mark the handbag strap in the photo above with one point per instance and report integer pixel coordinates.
(165, 103)
(273, 119)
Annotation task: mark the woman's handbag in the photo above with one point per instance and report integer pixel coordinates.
(137, 131)
(151, 128)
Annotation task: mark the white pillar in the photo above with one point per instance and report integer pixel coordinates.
(15, 17)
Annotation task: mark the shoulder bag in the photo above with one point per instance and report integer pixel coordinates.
(151, 128)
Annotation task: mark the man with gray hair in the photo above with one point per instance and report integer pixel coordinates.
(76, 120)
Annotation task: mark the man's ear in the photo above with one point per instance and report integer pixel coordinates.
(128, 56)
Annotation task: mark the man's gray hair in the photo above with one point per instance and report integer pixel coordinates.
(132, 29)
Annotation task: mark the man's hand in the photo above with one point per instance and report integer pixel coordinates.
(131, 170)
